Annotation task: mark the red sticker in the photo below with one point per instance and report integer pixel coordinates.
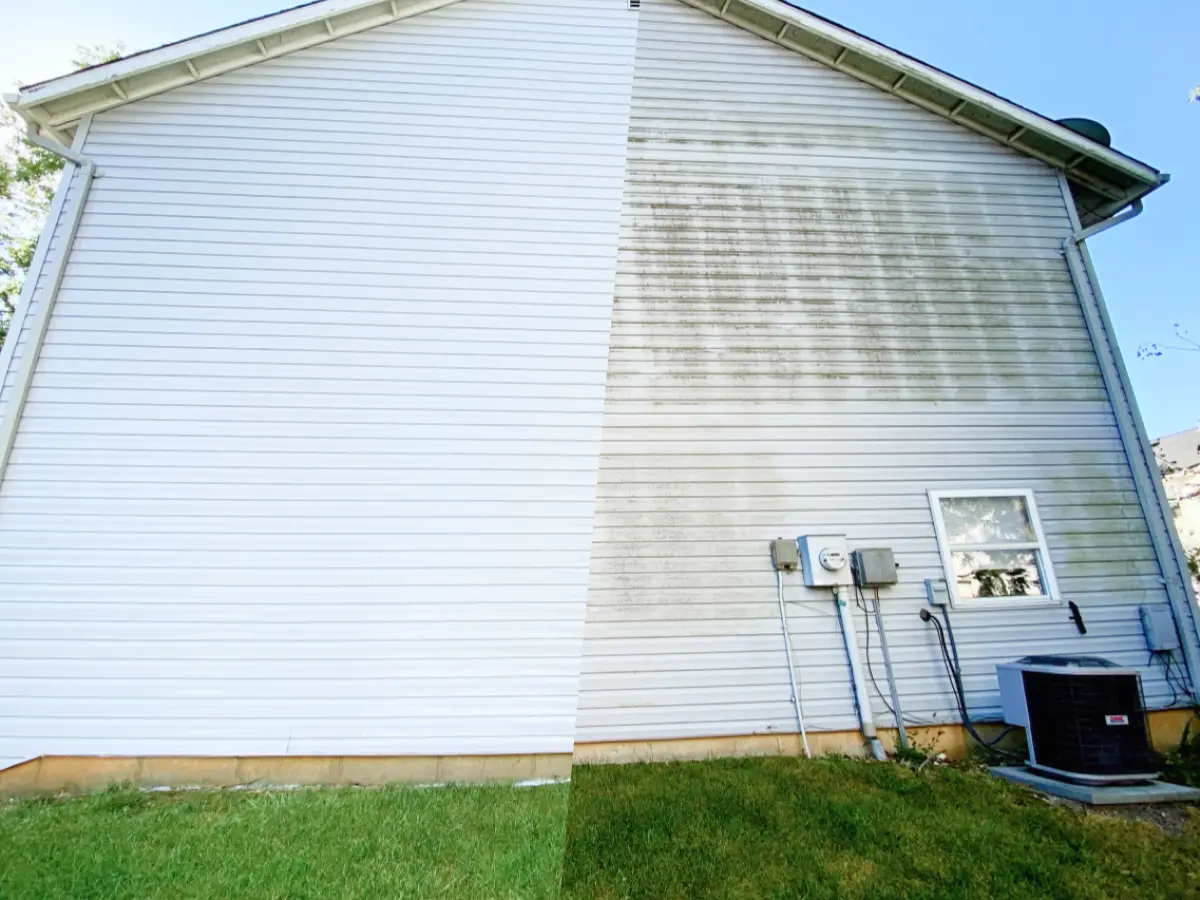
(1116, 720)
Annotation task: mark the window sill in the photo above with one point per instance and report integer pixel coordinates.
(983, 605)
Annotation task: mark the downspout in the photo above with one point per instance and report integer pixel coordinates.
(41, 322)
(1168, 550)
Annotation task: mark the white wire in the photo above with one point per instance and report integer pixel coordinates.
(787, 647)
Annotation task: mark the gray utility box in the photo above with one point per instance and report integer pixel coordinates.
(873, 567)
(785, 554)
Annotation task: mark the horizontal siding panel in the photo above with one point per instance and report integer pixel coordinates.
(829, 302)
(309, 461)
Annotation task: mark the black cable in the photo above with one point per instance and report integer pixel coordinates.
(1175, 676)
(1165, 659)
(959, 691)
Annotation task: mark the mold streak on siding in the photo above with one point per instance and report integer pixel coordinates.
(309, 461)
(828, 302)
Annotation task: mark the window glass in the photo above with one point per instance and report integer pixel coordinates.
(1005, 573)
(987, 520)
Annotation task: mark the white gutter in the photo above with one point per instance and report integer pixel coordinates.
(1152, 496)
(41, 321)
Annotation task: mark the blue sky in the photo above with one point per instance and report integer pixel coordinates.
(1129, 65)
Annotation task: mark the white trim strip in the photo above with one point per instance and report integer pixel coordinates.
(40, 325)
(38, 262)
(1168, 549)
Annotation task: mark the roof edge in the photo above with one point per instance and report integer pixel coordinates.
(1110, 179)
(196, 58)
(854, 54)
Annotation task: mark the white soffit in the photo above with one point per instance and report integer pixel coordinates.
(57, 106)
(1104, 180)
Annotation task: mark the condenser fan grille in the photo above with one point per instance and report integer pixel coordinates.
(1090, 724)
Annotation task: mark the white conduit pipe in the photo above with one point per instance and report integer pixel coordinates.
(41, 322)
(787, 647)
(861, 698)
(1134, 439)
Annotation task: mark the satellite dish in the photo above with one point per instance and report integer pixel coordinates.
(1090, 129)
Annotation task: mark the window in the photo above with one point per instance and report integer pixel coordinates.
(992, 546)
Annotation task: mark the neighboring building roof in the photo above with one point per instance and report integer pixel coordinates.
(1180, 451)
(1104, 180)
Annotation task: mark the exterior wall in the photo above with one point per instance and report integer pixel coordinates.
(308, 464)
(829, 302)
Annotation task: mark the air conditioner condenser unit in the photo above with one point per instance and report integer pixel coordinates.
(1083, 717)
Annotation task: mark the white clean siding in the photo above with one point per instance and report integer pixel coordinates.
(309, 461)
(829, 301)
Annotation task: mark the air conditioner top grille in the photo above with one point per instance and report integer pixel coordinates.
(1069, 662)
(1082, 666)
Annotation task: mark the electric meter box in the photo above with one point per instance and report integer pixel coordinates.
(825, 560)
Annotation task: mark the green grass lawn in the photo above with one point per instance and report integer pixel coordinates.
(462, 842)
(788, 828)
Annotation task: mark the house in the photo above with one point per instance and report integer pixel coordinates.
(414, 389)
(1178, 458)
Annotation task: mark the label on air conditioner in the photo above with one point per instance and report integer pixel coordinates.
(1116, 720)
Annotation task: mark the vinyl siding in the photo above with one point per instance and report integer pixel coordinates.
(829, 302)
(308, 464)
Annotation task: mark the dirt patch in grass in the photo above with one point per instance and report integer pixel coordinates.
(784, 828)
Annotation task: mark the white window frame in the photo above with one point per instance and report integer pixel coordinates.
(1051, 597)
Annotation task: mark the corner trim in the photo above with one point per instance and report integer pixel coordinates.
(1135, 440)
(10, 423)
(38, 264)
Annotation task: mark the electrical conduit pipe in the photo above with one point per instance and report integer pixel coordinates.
(861, 700)
(787, 647)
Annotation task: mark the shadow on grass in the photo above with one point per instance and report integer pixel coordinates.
(787, 828)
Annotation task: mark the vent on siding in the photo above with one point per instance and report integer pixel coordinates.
(635, 4)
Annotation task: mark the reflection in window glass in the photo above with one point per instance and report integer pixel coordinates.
(992, 545)
(997, 573)
(987, 520)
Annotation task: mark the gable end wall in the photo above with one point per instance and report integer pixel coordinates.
(829, 302)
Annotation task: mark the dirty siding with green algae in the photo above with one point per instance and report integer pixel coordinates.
(828, 302)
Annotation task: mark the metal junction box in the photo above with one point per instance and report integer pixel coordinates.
(785, 555)
(824, 559)
(1159, 628)
(873, 567)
